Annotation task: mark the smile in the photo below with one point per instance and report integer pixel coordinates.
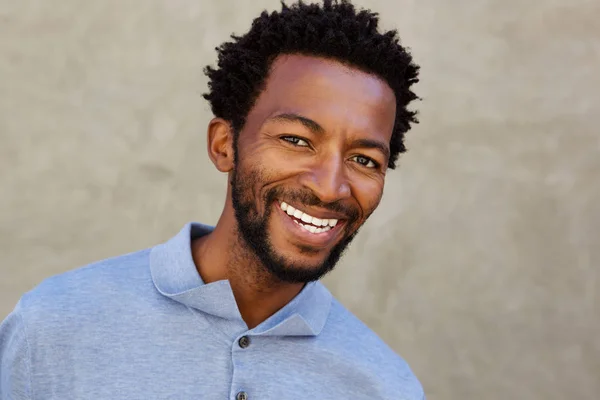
(319, 231)
(308, 222)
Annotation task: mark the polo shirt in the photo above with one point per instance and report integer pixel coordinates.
(145, 326)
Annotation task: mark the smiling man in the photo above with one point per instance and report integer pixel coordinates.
(310, 113)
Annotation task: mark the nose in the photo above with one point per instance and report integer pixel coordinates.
(327, 180)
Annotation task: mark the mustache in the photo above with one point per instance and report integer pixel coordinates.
(307, 197)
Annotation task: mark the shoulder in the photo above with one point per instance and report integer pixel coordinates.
(95, 279)
(355, 341)
(66, 315)
(87, 292)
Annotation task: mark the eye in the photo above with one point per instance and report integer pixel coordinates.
(295, 140)
(365, 161)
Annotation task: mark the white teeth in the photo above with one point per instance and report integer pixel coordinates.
(290, 210)
(312, 228)
(320, 225)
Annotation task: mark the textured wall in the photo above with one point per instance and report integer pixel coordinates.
(481, 265)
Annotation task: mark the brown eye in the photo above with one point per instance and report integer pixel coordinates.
(296, 141)
(365, 161)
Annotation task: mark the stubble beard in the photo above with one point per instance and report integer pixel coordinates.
(253, 230)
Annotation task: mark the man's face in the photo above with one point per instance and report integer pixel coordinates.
(310, 164)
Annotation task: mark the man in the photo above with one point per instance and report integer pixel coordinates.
(310, 112)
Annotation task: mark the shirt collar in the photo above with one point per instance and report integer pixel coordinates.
(175, 276)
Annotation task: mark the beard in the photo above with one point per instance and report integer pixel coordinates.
(253, 228)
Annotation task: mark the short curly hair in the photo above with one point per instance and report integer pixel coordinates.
(335, 30)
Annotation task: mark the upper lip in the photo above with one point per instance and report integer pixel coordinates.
(318, 213)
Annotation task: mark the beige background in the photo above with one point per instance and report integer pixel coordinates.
(481, 265)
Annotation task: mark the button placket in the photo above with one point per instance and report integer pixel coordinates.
(240, 367)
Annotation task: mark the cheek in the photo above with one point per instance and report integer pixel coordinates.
(259, 157)
(369, 196)
(255, 175)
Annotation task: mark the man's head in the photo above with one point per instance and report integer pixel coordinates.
(311, 110)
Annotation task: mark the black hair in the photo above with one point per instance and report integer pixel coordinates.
(335, 30)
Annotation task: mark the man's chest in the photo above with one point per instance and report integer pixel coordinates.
(208, 367)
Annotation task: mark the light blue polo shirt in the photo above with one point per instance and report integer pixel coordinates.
(145, 326)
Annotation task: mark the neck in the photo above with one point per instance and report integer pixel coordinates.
(223, 255)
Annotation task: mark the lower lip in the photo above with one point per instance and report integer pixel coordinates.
(315, 239)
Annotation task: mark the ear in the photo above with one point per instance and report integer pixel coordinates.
(220, 144)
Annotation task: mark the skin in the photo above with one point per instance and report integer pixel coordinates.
(318, 138)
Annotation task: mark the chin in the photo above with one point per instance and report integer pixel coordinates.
(298, 264)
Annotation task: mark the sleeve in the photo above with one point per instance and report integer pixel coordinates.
(15, 374)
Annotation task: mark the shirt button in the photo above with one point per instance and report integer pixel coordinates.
(244, 342)
(241, 396)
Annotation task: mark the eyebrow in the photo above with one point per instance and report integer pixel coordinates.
(316, 128)
(372, 144)
(307, 122)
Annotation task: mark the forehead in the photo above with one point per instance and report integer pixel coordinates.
(331, 93)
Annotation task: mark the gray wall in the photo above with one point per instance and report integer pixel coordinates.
(481, 265)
